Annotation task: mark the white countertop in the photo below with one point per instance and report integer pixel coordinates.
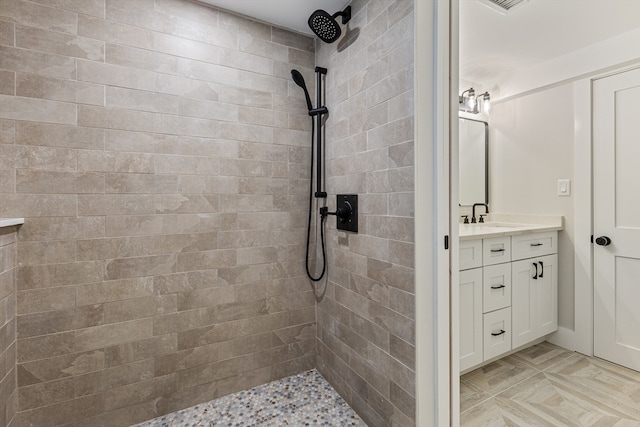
(8, 222)
(497, 225)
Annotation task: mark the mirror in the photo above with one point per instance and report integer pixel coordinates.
(474, 161)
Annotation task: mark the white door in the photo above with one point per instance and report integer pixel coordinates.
(616, 216)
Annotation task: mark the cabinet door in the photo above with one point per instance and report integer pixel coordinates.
(547, 295)
(470, 318)
(534, 298)
(523, 295)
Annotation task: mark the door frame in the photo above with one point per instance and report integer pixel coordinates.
(434, 106)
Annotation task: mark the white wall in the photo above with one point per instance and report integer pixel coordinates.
(530, 148)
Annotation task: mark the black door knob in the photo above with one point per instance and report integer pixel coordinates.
(603, 241)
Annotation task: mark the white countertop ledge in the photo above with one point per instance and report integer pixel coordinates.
(9, 222)
(498, 225)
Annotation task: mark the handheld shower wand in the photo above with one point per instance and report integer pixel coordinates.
(299, 80)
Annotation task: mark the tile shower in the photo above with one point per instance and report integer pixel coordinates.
(159, 153)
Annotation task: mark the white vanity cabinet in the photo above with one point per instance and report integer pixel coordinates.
(508, 294)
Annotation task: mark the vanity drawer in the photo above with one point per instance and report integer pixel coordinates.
(497, 333)
(496, 287)
(496, 250)
(534, 245)
(470, 254)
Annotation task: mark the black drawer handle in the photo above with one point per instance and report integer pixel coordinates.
(498, 250)
(541, 269)
(536, 244)
(495, 334)
(498, 287)
(535, 276)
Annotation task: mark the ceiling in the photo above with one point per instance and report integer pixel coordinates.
(492, 46)
(291, 14)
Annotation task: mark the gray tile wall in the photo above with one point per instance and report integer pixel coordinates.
(159, 153)
(366, 327)
(8, 386)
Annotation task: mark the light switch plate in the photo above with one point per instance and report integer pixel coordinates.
(564, 187)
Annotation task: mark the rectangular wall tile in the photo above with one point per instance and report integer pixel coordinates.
(7, 82)
(140, 100)
(51, 135)
(39, 16)
(52, 275)
(115, 75)
(134, 183)
(7, 34)
(37, 110)
(45, 64)
(61, 228)
(85, 7)
(59, 44)
(113, 32)
(29, 181)
(45, 158)
(113, 118)
(34, 86)
(46, 299)
(103, 336)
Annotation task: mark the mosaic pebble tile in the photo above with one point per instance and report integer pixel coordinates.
(306, 399)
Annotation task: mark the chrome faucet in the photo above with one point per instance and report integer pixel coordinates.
(473, 212)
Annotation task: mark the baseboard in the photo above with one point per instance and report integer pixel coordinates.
(565, 338)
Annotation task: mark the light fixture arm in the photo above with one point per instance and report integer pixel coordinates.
(471, 93)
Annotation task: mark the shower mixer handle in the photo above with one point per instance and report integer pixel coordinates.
(343, 213)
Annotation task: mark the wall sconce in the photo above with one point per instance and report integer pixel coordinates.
(469, 102)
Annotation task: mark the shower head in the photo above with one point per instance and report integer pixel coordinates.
(299, 80)
(325, 26)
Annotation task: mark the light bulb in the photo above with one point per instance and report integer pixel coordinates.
(471, 103)
(486, 105)
(471, 100)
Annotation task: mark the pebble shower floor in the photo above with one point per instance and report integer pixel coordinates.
(305, 399)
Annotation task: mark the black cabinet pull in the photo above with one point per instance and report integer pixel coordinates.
(541, 269)
(498, 250)
(535, 244)
(495, 334)
(498, 287)
(535, 276)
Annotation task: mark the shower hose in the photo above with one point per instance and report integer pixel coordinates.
(322, 220)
